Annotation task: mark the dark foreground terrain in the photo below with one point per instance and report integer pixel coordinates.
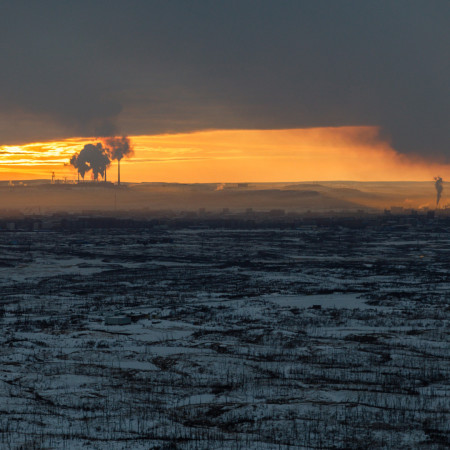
(328, 334)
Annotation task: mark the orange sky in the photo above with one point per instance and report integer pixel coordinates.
(344, 153)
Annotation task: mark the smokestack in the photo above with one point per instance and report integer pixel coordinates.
(117, 148)
(439, 188)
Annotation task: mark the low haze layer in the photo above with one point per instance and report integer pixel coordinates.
(323, 197)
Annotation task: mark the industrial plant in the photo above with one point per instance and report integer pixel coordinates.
(98, 157)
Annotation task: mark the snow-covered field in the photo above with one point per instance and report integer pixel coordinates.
(240, 339)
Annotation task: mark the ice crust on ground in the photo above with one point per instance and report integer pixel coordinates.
(226, 349)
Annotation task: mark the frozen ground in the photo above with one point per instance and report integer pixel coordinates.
(308, 337)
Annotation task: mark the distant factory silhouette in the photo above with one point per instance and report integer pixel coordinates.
(97, 157)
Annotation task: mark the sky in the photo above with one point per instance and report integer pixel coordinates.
(217, 156)
(74, 71)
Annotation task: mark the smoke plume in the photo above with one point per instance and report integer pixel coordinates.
(439, 188)
(80, 165)
(93, 157)
(118, 147)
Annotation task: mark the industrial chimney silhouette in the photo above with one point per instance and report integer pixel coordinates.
(118, 147)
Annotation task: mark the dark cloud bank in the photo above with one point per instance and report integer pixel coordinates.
(90, 68)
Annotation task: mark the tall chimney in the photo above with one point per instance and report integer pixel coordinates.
(118, 172)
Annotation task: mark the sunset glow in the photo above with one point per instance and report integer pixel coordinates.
(345, 153)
